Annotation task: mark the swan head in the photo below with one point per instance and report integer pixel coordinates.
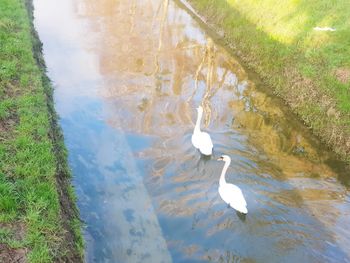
(224, 158)
(200, 109)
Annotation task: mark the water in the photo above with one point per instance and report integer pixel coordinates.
(128, 75)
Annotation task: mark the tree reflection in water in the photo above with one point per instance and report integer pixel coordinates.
(157, 67)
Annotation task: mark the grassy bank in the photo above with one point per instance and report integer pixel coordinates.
(308, 68)
(38, 219)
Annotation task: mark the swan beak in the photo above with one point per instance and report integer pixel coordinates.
(220, 159)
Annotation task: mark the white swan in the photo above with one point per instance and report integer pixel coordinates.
(201, 140)
(230, 193)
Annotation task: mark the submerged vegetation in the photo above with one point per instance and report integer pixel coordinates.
(301, 49)
(38, 220)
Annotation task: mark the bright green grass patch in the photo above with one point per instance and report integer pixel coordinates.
(28, 165)
(292, 23)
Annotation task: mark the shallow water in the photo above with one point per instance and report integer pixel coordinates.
(128, 76)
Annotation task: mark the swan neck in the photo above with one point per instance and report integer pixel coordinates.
(197, 128)
(223, 173)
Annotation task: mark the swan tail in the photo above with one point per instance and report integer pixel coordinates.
(244, 210)
(241, 209)
(206, 151)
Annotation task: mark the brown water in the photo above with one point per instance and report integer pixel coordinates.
(128, 76)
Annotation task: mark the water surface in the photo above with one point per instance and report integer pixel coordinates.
(128, 75)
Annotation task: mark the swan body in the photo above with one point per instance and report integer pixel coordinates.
(201, 140)
(230, 193)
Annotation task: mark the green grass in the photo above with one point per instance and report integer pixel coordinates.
(307, 68)
(28, 153)
(291, 23)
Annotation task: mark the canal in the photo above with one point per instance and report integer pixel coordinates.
(128, 76)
